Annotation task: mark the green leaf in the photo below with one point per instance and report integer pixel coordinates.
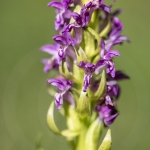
(106, 144)
(83, 106)
(89, 43)
(97, 37)
(95, 34)
(63, 69)
(106, 30)
(51, 123)
(93, 135)
(81, 56)
(50, 119)
(95, 21)
(101, 87)
(69, 133)
(72, 119)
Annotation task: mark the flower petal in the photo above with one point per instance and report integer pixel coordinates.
(56, 4)
(105, 8)
(58, 100)
(60, 39)
(51, 49)
(111, 53)
(109, 120)
(59, 83)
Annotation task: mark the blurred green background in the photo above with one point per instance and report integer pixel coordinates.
(26, 26)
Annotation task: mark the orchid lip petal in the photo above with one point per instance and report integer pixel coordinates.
(58, 100)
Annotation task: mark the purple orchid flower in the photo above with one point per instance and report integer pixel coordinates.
(89, 70)
(62, 12)
(63, 91)
(84, 17)
(113, 89)
(106, 60)
(65, 41)
(53, 62)
(115, 36)
(107, 113)
(77, 30)
(107, 55)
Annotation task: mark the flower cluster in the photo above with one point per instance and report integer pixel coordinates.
(83, 56)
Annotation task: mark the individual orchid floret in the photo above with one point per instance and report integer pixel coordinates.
(63, 87)
(77, 31)
(65, 41)
(107, 113)
(109, 64)
(102, 6)
(50, 64)
(89, 69)
(106, 59)
(115, 36)
(53, 62)
(84, 17)
(62, 12)
(113, 89)
(107, 54)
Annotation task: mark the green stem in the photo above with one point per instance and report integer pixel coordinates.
(81, 139)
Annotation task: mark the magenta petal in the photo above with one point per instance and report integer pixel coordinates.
(87, 80)
(67, 14)
(111, 53)
(120, 75)
(105, 8)
(58, 100)
(77, 18)
(58, 83)
(100, 63)
(68, 28)
(120, 39)
(47, 66)
(60, 39)
(109, 120)
(56, 4)
(110, 68)
(78, 33)
(81, 64)
(51, 49)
